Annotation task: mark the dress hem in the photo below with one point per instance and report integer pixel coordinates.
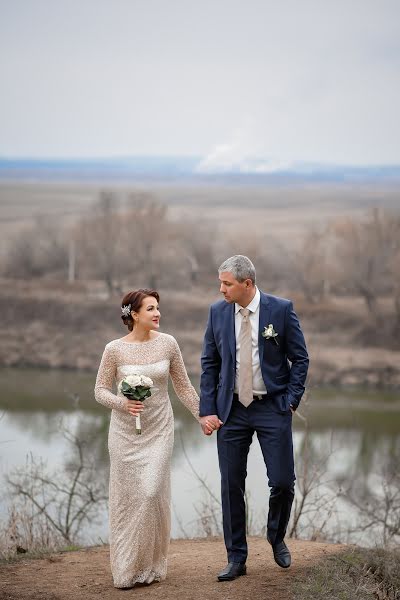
(147, 576)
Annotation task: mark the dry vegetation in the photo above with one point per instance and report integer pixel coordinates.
(355, 574)
(69, 253)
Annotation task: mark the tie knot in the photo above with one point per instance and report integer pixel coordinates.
(244, 312)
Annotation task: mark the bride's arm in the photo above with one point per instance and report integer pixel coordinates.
(181, 382)
(104, 382)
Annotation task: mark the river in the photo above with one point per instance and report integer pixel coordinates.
(352, 435)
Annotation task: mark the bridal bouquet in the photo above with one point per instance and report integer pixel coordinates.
(136, 387)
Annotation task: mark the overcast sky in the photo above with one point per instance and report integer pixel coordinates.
(308, 80)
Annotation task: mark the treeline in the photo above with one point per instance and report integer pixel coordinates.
(134, 242)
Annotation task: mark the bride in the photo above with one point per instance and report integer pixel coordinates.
(140, 496)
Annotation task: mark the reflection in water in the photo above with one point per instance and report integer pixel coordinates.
(357, 433)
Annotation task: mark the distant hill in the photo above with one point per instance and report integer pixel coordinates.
(187, 169)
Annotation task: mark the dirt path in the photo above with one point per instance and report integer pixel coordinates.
(193, 564)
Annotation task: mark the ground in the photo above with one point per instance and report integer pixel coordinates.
(192, 568)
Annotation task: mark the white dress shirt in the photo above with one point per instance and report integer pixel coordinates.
(254, 308)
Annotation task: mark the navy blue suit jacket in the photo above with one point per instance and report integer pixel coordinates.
(218, 359)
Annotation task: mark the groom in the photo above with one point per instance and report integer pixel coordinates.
(254, 367)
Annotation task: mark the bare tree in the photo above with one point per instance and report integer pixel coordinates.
(120, 244)
(209, 512)
(307, 267)
(37, 251)
(314, 504)
(64, 500)
(195, 244)
(148, 237)
(378, 505)
(394, 272)
(99, 240)
(365, 257)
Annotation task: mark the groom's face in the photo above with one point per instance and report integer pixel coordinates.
(232, 289)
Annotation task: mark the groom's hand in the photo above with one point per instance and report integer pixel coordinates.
(210, 423)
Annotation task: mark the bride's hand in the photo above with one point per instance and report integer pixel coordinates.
(210, 423)
(133, 407)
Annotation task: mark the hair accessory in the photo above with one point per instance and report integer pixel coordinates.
(126, 310)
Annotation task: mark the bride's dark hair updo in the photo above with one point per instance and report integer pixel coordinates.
(135, 299)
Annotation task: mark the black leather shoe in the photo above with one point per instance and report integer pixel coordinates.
(282, 555)
(231, 571)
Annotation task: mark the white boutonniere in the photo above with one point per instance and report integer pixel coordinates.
(269, 332)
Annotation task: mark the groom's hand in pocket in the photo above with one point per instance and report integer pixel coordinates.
(210, 423)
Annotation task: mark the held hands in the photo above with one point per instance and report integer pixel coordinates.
(210, 423)
(133, 407)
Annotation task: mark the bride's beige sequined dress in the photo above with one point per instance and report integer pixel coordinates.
(140, 496)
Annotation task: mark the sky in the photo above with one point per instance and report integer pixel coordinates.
(225, 80)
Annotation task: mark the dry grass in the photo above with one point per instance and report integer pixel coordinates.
(354, 575)
(53, 324)
(26, 534)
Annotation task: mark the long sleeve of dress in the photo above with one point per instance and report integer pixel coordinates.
(104, 381)
(181, 382)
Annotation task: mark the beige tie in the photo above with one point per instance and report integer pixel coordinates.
(246, 363)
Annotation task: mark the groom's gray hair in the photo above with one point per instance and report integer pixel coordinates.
(240, 266)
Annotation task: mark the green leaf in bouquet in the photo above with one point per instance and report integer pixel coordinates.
(125, 387)
(143, 392)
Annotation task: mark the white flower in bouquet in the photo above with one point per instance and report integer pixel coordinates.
(132, 380)
(146, 381)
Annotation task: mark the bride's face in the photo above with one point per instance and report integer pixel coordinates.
(148, 315)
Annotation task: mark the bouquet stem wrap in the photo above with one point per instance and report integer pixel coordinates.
(138, 425)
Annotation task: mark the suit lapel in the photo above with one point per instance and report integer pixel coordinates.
(265, 311)
(230, 328)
